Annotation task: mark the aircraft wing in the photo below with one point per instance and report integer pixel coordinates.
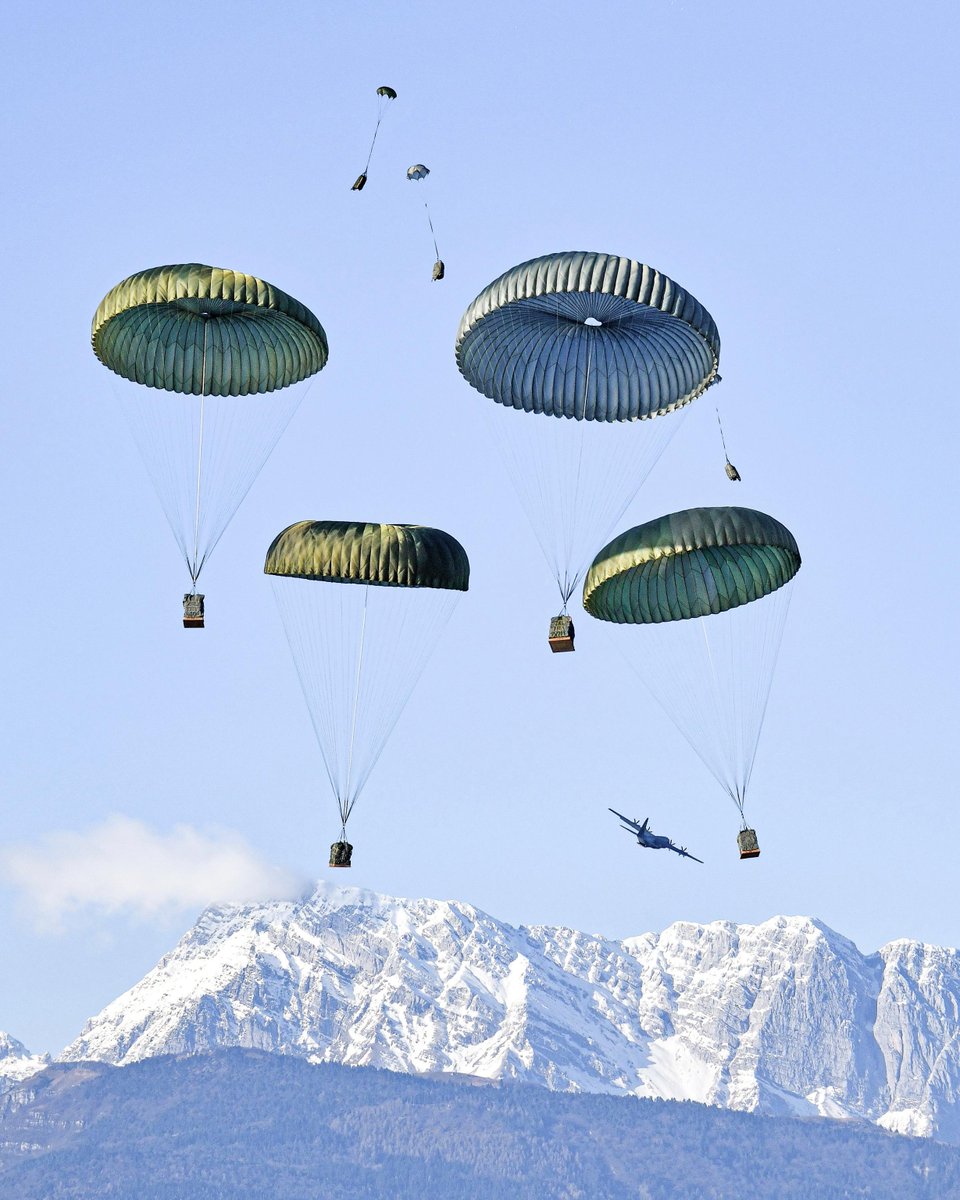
(634, 825)
(684, 852)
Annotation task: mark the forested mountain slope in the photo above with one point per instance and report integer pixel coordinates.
(245, 1125)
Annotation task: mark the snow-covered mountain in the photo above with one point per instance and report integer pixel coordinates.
(16, 1061)
(786, 1016)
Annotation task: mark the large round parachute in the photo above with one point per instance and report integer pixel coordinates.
(591, 337)
(363, 605)
(215, 341)
(690, 564)
(605, 343)
(412, 556)
(205, 331)
(709, 588)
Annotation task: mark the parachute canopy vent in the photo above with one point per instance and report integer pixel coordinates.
(587, 336)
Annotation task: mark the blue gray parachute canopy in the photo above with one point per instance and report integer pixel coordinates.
(706, 590)
(591, 337)
(606, 343)
(363, 605)
(418, 171)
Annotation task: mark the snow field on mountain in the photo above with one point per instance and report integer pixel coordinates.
(782, 1017)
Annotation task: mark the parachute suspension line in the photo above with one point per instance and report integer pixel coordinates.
(571, 575)
(432, 234)
(195, 565)
(201, 458)
(407, 630)
(346, 801)
(732, 473)
(729, 782)
(307, 628)
(770, 653)
(354, 710)
(574, 486)
(381, 109)
(723, 440)
(713, 676)
(376, 130)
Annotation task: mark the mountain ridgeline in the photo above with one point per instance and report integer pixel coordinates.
(785, 1017)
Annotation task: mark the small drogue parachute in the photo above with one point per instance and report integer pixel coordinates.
(384, 96)
(585, 356)
(415, 173)
(225, 350)
(708, 590)
(363, 606)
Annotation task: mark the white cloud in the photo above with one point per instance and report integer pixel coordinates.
(124, 866)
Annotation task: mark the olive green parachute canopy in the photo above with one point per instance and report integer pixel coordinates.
(388, 92)
(593, 337)
(359, 651)
(412, 556)
(206, 331)
(690, 564)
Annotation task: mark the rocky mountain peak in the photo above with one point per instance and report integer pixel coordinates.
(782, 1016)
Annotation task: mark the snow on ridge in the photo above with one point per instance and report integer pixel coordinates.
(17, 1063)
(783, 1016)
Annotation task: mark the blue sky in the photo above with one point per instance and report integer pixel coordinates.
(793, 165)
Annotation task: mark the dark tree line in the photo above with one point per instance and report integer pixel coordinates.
(241, 1125)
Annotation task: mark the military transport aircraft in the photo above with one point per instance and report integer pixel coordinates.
(650, 840)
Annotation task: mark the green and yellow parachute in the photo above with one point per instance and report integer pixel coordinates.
(363, 605)
(706, 592)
